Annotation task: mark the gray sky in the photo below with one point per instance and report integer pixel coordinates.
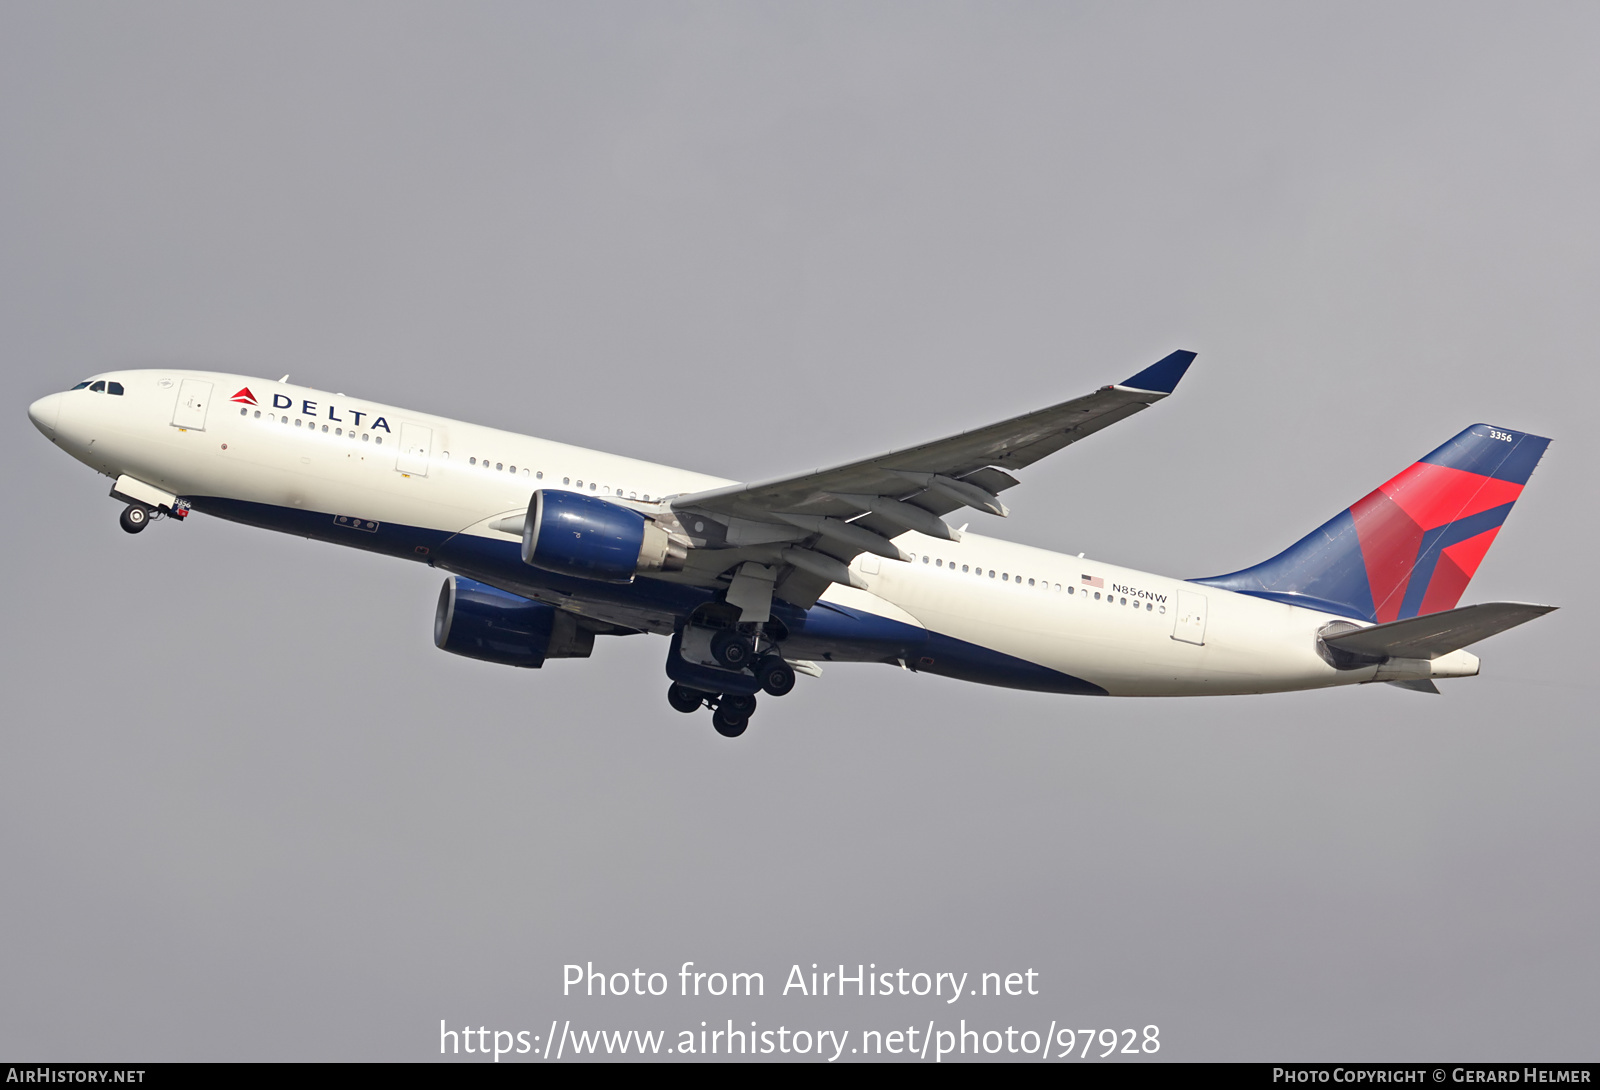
(247, 811)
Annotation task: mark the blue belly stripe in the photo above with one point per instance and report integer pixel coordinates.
(826, 631)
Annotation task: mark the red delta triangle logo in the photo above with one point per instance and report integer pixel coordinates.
(244, 397)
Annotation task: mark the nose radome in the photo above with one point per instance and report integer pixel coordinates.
(45, 412)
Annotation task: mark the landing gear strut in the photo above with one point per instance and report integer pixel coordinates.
(135, 517)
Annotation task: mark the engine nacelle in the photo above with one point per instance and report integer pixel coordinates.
(480, 622)
(591, 538)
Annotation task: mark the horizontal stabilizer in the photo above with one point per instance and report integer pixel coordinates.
(1436, 634)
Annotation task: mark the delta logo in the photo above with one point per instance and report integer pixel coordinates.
(244, 397)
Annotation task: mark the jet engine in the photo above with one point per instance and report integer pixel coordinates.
(480, 622)
(590, 538)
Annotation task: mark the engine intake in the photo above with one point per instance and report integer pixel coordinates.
(481, 622)
(591, 538)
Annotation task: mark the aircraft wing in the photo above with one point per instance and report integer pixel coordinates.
(857, 507)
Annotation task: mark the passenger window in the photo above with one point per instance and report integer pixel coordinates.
(366, 437)
(1005, 577)
(513, 469)
(244, 412)
(472, 461)
(1148, 607)
(1069, 589)
(378, 439)
(1097, 596)
(538, 475)
(963, 567)
(591, 486)
(98, 388)
(500, 466)
(114, 388)
(991, 573)
(926, 559)
(566, 480)
(1030, 582)
(340, 431)
(324, 429)
(297, 421)
(258, 414)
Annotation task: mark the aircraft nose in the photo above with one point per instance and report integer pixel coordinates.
(45, 413)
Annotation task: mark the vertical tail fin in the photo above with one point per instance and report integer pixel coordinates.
(1411, 546)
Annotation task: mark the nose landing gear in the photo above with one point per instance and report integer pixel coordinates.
(135, 517)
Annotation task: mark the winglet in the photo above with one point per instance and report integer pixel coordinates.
(1161, 377)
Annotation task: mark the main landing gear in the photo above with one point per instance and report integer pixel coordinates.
(722, 669)
(732, 648)
(730, 712)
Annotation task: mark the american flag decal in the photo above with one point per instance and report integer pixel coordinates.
(1094, 581)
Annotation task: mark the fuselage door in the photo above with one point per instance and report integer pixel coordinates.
(194, 397)
(1190, 623)
(416, 446)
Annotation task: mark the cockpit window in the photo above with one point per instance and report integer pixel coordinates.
(114, 388)
(81, 385)
(98, 388)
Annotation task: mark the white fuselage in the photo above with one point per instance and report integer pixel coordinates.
(297, 449)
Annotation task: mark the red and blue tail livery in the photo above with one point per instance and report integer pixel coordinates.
(1409, 547)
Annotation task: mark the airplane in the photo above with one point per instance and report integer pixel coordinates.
(548, 546)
